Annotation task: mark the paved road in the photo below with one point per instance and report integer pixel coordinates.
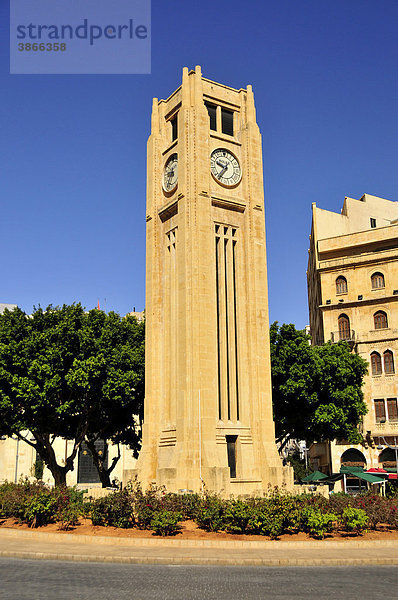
(55, 580)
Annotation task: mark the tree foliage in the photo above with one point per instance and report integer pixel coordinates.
(68, 373)
(299, 467)
(317, 390)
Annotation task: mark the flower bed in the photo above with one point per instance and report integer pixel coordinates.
(276, 514)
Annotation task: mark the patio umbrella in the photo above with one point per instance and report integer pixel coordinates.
(312, 477)
(377, 470)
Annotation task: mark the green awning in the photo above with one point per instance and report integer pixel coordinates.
(333, 478)
(315, 476)
(351, 469)
(365, 476)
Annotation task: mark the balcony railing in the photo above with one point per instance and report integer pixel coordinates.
(386, 427)
(343, 336)
(389, 464)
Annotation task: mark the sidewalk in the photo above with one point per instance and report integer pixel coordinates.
(61, 546)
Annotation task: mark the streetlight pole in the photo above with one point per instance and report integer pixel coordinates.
(16, 462)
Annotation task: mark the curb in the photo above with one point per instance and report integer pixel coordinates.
(69, 538)
(160, 551)
(252, 562)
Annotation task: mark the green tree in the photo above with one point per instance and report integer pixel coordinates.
(114, 380)
(299, 467)
(68, 373)
(317, 390)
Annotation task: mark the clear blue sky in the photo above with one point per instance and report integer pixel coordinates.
(73, 148)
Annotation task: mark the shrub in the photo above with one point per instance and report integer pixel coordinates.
(339, 502)
(292, 519)
(317, 523)
(99, 512)
(266, 521)
(392, 489)
(13, 497)
(120, 511)
(354, 519)
(166, 522)
(144, 504)
(210, 513)
(279, 512)
(12, 500)
(115, 510)
(376, 507)
(38, 468)
(87, 507)
(144, 516)
(237, 516)
(286, 508)
(190, 504)
(67, 516)
(314, 501)
(69, 506)
(185, 504)
(40, 508)
(392, 512)
(154, 499)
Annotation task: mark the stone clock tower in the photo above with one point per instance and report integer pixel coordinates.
(208, 413)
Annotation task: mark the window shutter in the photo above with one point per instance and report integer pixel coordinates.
(376, 363)
(388, 362)
(377, 281)
(380, 410)
(392, 409)
(380, 320)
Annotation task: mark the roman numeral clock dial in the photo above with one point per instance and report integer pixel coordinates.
(170, 174)
(225, 167)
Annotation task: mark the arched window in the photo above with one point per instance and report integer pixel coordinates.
(380, 319)
(388, 362)
(375, 360)
(344, 327)
(353, 458)
(341, 285)
(377, 281)
(387, 458)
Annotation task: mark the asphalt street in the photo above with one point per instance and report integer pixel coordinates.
(55, 580)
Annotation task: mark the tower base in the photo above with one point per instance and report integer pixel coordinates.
(178, 470)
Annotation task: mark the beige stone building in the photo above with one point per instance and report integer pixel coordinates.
(208, 413)
(139, 315)
(353, 295)
(17, 459)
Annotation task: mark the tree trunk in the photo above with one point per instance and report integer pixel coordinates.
(46, 452)
(285, 441)
(47, 455)
(59, 474)
(99, 461)
(105, 478)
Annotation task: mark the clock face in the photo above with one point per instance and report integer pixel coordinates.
(170, 174)
(225, 168)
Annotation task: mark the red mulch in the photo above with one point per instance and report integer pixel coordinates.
(190, 531)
